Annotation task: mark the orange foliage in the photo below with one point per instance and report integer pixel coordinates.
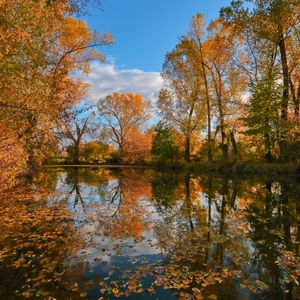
(12, 157)
(41, 44)
(124, 114)
(137, 147)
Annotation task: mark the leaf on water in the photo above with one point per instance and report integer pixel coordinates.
(212, 297)
(82, 295)
(243, 286)
(140, 290)
(151, 290)
(115, 291)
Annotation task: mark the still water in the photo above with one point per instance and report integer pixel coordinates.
(140, 234)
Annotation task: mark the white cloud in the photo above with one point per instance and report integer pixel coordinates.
(106, 78)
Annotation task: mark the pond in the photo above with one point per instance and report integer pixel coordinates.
(140, 234)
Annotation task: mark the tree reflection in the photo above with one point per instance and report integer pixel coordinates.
(270, 217)
(124, 214)
(218, 237)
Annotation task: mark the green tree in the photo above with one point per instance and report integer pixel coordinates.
(163, 146)
(94, 150)
(263, 119)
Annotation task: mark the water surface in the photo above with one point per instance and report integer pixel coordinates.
(134, 233)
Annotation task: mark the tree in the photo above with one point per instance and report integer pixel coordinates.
(163, 145)
(263, 119)
(274, 22)
(180, 101)
(195, 45)
(41, 44)
(137, 147)
(123, 114)
(94, 150)
(74, 125)
(228, 84)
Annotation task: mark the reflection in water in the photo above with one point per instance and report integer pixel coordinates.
(87, 234)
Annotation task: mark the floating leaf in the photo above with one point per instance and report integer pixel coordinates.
(151, 290)
(115, 291)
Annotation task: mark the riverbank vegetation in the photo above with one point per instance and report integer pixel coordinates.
(230, 101)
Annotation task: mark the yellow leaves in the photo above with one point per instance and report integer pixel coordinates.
(76, 42)
(74, 32)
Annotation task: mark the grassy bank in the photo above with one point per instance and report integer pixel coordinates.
(246, 168)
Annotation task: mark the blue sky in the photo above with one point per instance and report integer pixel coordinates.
(144, 30)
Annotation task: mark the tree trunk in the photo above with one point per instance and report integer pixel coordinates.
(285, 74)
(285, 96)
(233, 143)
(187, 153)
(297, 105)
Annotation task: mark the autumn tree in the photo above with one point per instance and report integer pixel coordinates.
(221, 50)
(206, 84)
(123, 114)
(274, 22)
(41, 44)
(180, 101)
(137, 146)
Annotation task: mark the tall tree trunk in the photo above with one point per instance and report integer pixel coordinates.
(207, 97)
(296, 97)
(285, 74)
(297, 105)
(233, 143)
(285, 96)
(222, 123)
(187, 152)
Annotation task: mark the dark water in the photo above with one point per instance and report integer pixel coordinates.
(140, 234)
